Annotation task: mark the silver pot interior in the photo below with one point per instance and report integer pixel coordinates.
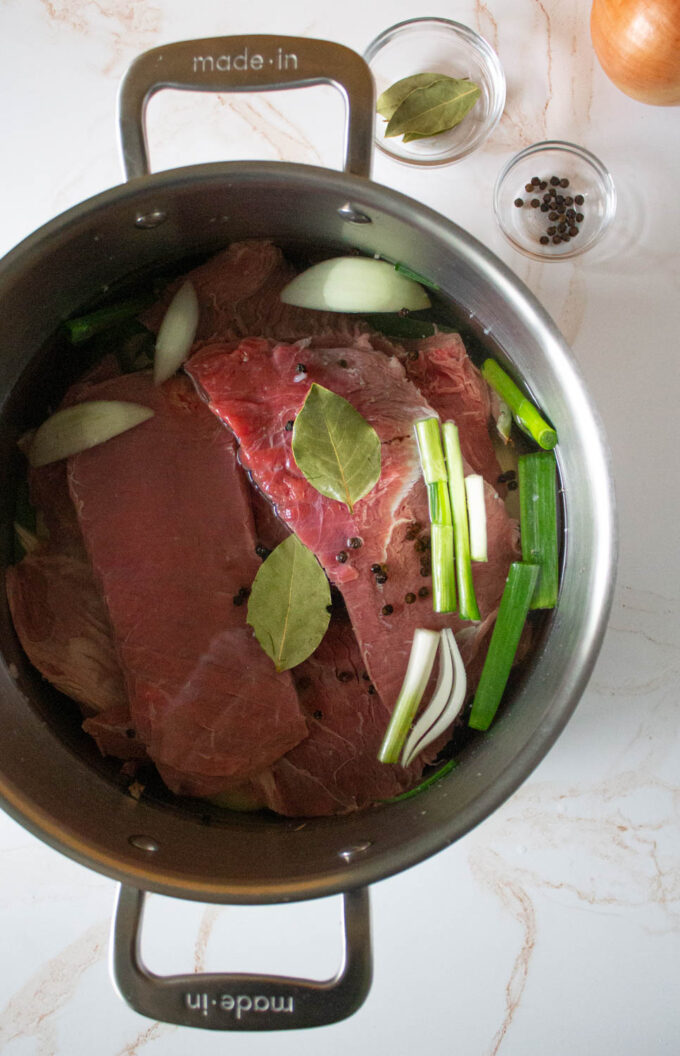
(52, 778)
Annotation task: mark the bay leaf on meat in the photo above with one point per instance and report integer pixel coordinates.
(289, 604)
(434, 108)
(335, 448)
(393, 97)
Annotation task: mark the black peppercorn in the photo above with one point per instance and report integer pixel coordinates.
(556, 239)
(345, 676)
(420, 546)
(553, 215)
(544, 240)
(354, 543)
(341, 557)
(554, 181)
(528, 187)
(289, 425)
(423, 592)
(375, 569)
(238, 599)
(512, 485)
(564, 183)
(545, 207)
(535, 181)
(412, 354)
(519, 202)
(579, 218)
(371, 689)
(573, 231)
(535, 203)
(579, 199)
(301, 368)
(262, 551)
(424, 571)
(387, 610)
(381, 577)
(409, 598)
(317, 715)
(342, 363)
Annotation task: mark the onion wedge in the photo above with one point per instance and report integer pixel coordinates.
(176, 334)
(354, 284)
(75, 429)
(446, 702)
(421, 660)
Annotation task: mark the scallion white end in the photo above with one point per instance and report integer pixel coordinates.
(421, 660)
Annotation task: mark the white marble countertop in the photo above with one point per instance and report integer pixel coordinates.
(553, 928)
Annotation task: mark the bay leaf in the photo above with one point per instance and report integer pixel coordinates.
(289, 603)
(394, 96)
(335, 448)
(434, 108)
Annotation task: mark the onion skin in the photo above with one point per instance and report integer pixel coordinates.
(638, 45)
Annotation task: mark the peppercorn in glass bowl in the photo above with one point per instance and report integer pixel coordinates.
(441, 47)
(554, 200)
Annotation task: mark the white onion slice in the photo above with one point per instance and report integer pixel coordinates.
(74, 429)
(476, 506)
(176, 334)
(447, 699)
(354, 284)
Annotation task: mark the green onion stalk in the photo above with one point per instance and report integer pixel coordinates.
(538, 523)
(524, 412)
(433, 465)
(469, 610)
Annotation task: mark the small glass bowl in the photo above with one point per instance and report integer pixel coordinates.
(437, 45)
(524, 225)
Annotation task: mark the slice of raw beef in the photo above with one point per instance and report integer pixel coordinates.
(257, 389)
(238, 294)
(166, 520)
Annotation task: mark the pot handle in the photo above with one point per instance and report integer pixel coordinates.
(246, 64)
(231, 1001)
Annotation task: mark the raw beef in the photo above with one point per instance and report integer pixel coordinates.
(238, 295)
(257, 388)
(167, 523)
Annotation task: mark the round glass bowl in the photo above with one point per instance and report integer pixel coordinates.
(436, 45)
(572, 219)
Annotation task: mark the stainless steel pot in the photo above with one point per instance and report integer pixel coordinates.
(51, 778)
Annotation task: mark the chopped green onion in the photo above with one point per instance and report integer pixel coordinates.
(524, 411)
(431, 451)
(354, 284)
(409, 273)
(441, 525)
(86, 326)
(538, 522)
(176, 334)
(431, 780)
(423, 652)
(447, 700)
(512, 613)
(74, 429)
(443, 568)
(476, 507)
(468, 607)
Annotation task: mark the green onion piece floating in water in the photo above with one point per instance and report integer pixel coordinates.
(476, 508)
(538, 522)
(75, 429)
(526, 415)
(86, 326)
(468, 607)
(519, 589)
(423, 652)
(447, 700)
